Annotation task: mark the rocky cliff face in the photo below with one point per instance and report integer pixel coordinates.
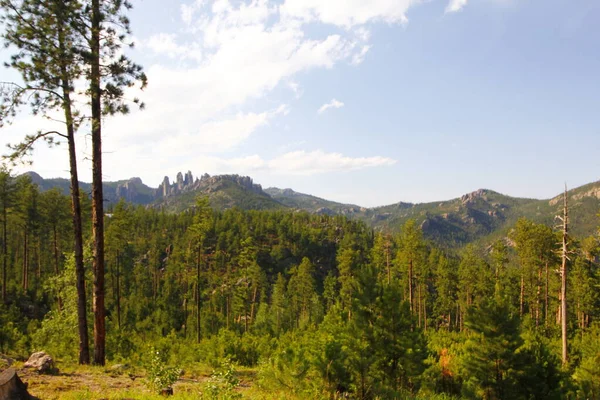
(205, 183)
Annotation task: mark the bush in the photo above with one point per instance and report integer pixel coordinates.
(223, 382)
(159, 376)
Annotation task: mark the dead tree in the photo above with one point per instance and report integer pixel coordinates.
(563, 276)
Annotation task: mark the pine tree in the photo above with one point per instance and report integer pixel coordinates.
(49, 62)
(7, 190)
(199, 231)
(108, 75)
(410, 257)
(491, 364)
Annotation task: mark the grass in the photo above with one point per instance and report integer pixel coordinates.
(75, 382)
(88, 382)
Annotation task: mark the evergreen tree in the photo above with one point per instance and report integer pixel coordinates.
(48, 58)
(410, 257)
(491, 363)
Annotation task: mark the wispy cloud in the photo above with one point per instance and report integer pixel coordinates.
(318, 162)
(294, 163)
(208, 74)
(456, 5)
(332, 104)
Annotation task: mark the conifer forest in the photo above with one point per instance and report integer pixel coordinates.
(254, 298)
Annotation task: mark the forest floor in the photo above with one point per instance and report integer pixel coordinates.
(95, 383)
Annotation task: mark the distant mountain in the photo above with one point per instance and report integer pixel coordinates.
(480, 215)
(313, 204)
(224, 191)
(132, 190)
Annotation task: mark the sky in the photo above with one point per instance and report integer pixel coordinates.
(369, 102)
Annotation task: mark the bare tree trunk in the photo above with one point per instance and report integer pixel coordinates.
(38, 258)
(118, 290)
(25, 260)
(185, 317)
(198, 302)
(97, 195)
(410, 284)
(387, 259)
(563, 279)
(425, 315)
(522, 297)
(538, 305)
(546, 297)
(4, 246)
(254, 295)
(55, 248)
(419, 300)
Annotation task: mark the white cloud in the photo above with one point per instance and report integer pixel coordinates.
(165, 43)
(240, 51)
(295, 163)
(359, 57)
(347, 13)
(318, 162)
(456, 5)
(188, 11)
(332, 104)
(295, 87)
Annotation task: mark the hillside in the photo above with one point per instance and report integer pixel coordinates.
(474, 216)
(313, 204)
(223, 191)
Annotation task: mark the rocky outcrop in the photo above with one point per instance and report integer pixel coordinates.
(128, 190)
(593, 192)
(206, 183)
(470, 198)
(189, 178)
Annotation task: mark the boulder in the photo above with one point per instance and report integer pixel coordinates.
(118, 369)
(42, 363)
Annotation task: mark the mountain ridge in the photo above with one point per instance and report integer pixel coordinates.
(473, 216)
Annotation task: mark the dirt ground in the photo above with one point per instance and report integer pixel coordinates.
(97, 383)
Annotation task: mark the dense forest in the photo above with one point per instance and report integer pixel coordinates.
(313, 305)
(321, 306)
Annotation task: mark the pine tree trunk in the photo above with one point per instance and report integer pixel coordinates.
(97, 195)
(84, 350)
(254, 295)
(198, 302)
(4, 247)
(118, 291)
(419, 301)
(538, 305)
(410, 284)
(25, 260)
(38, 258)
(546, 296)
(522, 297)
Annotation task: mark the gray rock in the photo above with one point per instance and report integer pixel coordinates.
(118, 369)
(42, 362)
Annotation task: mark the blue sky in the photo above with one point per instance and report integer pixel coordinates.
(367, 102)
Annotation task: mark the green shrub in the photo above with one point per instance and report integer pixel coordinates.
(159, 376)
